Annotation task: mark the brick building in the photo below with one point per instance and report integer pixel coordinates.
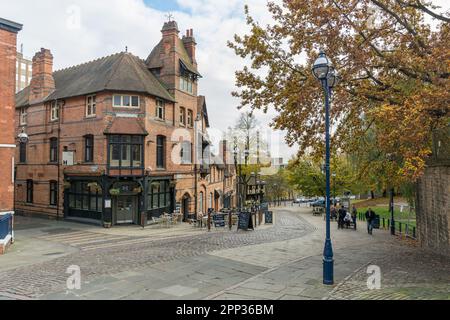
(8, 43)
(118, 139)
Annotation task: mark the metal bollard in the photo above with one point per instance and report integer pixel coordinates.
(400, 227)
(384, 224)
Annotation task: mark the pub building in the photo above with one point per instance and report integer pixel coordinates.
(112, 141)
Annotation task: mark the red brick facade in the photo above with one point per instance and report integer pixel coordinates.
(8, 40)
(145, 186)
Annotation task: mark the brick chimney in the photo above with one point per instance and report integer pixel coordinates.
(189, 44)
(170, 35)
(42, 82)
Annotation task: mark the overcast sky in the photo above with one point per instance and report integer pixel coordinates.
(78, 31)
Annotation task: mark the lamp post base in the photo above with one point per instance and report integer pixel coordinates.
(393, 228)
(328, 264)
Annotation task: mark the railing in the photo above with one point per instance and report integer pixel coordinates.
(401, 228)
(6, 224)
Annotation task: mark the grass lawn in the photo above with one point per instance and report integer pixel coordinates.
(383, 212)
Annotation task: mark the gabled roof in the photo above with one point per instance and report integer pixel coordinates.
(118, 72)
(201, 105)
(154, 61)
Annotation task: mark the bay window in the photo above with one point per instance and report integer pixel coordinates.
(126, 151)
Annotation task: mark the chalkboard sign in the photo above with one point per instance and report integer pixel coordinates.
(264, 207)
(268, 215)
(219, 220)
(376, 222)
(245, 221)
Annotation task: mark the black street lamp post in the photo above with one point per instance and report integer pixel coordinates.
(327, 76)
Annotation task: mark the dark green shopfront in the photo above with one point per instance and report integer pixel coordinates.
(112, 201)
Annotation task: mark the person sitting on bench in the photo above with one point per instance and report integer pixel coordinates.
(341, 216)
(348, 219)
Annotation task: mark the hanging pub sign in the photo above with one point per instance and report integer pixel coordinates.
(268, 215)
(245, 221)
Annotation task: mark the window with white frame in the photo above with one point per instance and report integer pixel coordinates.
(190, 118)
(160, 109)
(23, 116)
(126, 101)
(186, 84)
(186, 152)
(182, 116)
(54, 111)
(91, 106)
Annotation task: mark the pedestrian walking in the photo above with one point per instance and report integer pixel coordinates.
(354, 215)
(333, 213)
(370, 217)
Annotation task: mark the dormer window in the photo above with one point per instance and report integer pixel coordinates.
(188, 76)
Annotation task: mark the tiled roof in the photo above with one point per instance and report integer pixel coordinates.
(118, 72)
(154, 61)
(126, 126)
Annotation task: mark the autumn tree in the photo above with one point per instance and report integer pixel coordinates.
(394, 68)
(306, 175)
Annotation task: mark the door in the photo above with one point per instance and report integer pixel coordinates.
(185, 205)
(126, 209)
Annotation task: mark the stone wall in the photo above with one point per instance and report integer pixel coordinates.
(433, 209)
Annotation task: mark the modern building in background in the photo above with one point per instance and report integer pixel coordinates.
(23, 71)
(278, 163)
(8, 49)
(119, 140)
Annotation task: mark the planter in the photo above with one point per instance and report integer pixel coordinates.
(137, 190)
(114, 192)
(94, 187)
(107, 225)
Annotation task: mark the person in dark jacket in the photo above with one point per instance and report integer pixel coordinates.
(341, 217)
(354, 215)
(370, 217)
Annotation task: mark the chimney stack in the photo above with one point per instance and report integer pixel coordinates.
(190, 44)
(42, 81)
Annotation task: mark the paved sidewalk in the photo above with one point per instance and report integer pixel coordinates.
(283, 261)
(295, 267)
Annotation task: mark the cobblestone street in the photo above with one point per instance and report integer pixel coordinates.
(282, 261)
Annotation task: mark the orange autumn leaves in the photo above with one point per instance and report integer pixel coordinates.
(395, 72)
